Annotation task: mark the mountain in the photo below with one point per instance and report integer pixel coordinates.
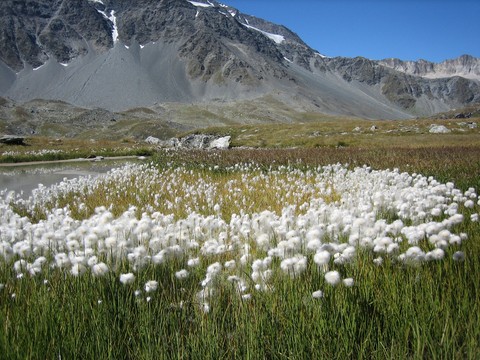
(465, 66)
(123, 54)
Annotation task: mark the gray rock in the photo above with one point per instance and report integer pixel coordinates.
(465, 66)
(153, 140)
(439, 129)
(222, 143)
(472, 125)
(469, 124)
(195, 141)
(169, 144)
(12, 140)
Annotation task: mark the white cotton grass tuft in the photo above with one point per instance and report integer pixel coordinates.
(294, 266)
(230, 264)
(206, 308)
(151, 286)
(459, 256)
(436, 254)
(436, 212)
(182, 274)
(127, 279)
(348, 282)
(246, 296)
(100, 269)
(332, 277)
(78, 269)
(317, 294)
(321, 258)
(193, 262)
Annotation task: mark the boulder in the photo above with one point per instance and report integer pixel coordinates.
(194, 141)
(439, 129)
(152, 140)
(222, 143)
(12, 140)
(470, 124)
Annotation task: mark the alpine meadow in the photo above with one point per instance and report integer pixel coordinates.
(208, 186)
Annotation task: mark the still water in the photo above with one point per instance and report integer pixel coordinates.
(23, 179)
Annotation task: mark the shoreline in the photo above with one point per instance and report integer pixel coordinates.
(45, 162)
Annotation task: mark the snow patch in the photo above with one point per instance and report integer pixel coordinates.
(199, 4)
(277, 38)
(113, 19)
(115, 29)
(37, 68)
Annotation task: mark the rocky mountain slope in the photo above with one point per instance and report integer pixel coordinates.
(122, 54)
(465, 66)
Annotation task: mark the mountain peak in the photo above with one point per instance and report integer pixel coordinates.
(120, 54)
(465, 66)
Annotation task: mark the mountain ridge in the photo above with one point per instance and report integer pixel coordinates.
(117, 55)
(465, 66)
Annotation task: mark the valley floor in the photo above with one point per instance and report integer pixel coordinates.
(350, 249)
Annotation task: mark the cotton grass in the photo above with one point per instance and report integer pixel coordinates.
(248, 227)
(127, 279)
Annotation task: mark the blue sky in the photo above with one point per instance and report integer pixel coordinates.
(433, 30)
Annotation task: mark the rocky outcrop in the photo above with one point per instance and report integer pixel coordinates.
(439, 129)
(465, 66)
(12, 140)
(201, 142)
(31, 31)
(403, 89)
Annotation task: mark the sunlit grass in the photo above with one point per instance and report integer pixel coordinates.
(393, 310)
(334, 132)
(47, 149)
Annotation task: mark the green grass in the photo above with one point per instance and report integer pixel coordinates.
(46, 149)
(341, 132)
(426, 312)
(431, 311)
